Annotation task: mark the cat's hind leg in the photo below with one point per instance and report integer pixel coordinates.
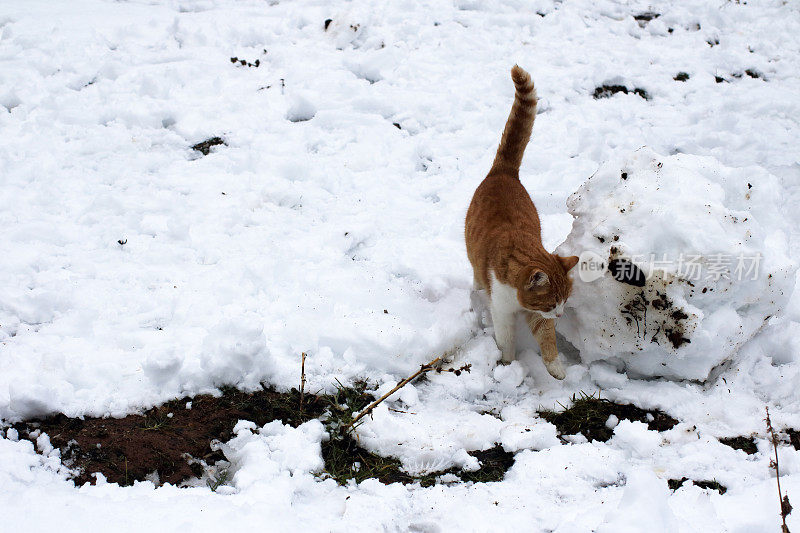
(477, 300)
(544, 331)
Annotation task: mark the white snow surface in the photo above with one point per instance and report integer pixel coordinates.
(133, 270)
(711, 246)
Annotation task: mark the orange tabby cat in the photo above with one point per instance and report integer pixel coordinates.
(504, 242)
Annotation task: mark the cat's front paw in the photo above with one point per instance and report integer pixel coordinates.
(509, 355)
(556, 369)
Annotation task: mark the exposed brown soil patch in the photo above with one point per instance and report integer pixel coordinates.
(205, 146)
(588, 416)
(495, 462)
(607, 91)
(177, 440)
(169, 439)
(746, 444)
(647, 16)
(675, 484)
(345, 460)
(794, 438)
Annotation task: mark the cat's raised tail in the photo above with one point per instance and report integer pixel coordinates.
(519, 125)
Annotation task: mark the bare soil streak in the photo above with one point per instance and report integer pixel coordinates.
(173, 438)
(129, 449)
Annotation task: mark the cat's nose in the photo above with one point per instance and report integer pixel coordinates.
(558, 315)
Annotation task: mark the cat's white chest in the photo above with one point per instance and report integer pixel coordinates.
(503, 297)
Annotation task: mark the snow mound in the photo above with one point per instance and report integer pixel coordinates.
(682, 261)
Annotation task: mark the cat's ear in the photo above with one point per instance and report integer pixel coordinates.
(567, 262)
(537, 279)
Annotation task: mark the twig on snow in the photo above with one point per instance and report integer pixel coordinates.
(424, 368)
(435, 364)
(302, 380)
(786, 507)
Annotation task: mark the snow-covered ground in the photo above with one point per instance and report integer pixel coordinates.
(134, 270)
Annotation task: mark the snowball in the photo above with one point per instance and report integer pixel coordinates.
(510, 376)
(701, 250)
(43, 444)
(385, 387)
(300, 109)
(636, 438)
(9, 101)
(409, 395)
(612, 422)
(577, 438)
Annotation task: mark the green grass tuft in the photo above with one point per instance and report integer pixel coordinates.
(221, 478)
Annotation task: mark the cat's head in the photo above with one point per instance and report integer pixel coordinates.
(545, 287)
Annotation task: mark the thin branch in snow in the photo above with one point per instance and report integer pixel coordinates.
(786, 507)
(424, 368)
(302, 380)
